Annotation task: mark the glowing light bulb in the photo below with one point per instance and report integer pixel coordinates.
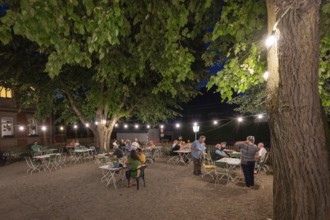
(87, 125)
(162, 126)
(43, 128)
(61, 128)
(260, 116)
(116, 125)
(125, 126)
(195, 123)
(215, 122)
(266, 75)
(148, 126)
(239, 119)
(75, 126)
(136, 126)
(177, 125)
(271, 40)
(21, 128)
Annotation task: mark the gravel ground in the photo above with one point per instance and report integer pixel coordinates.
(171, 192)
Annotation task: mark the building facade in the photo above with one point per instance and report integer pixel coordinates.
(19, 128)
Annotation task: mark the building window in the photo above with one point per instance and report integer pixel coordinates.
(7, 127)
(5, 93)
(32, 126)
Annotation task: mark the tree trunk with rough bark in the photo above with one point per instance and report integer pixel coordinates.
(301, 177)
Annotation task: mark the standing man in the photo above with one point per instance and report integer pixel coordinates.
(197, 153)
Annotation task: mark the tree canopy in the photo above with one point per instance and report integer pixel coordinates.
(239, 35)
(110, 59)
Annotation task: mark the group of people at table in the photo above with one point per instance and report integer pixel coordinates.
(133, 154)
(249, 154)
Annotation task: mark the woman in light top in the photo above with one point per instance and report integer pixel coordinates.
(248, 158)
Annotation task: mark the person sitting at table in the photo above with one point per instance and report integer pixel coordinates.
(128, 147)
(36, 147)
(76, 143)
(141, 156)
(262, 152)
(218, 153)
(118, 152)
(223, 148)
(132, 163)
(175, 147)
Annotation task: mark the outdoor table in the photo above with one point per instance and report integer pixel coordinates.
(108, 174)
(235, 154)
(185, 155)
(45, 163)
(80, 154)
(232, 163)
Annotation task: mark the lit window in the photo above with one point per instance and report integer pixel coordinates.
(5, 93)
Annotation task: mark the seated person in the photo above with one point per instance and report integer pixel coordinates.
(218, 153)
(141, 156)
(118, 152)
(262, 152)
(175, 147)
(36, 147)
(223, 148)
(133, 163)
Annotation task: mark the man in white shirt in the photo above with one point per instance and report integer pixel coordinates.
(135, 144)
(262, 151)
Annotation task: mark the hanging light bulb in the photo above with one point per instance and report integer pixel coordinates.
(61, 128)
(162, 126)
(96, 123)
(215, 122)
(125, 126)
(75, 126)
(21, 128)
(271, 40)
(240, 119)
(43, 128)
(260, 116)
(87, 125)
(177, 125)
(136, 126)
(266, 75)
(148, 126)
(116, 125)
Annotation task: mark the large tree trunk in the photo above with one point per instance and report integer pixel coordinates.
(301, 177)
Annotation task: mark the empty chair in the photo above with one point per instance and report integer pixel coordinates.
(32, 166)
(221, 170)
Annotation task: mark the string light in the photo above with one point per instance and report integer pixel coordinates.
(271, 40)
(266, 75)
(148, 126)
(162, 126)
(96, 123)
(87, 125)
(215, 122)
(125, 126)
(116, 125)
(177, 125)
(240, 119)
(136, 126)
(260, 116)
(61, 128)
(75, 126)
(21, 128)
(43, 128)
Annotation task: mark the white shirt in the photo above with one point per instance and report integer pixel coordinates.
(262, 153)
(135, 145)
